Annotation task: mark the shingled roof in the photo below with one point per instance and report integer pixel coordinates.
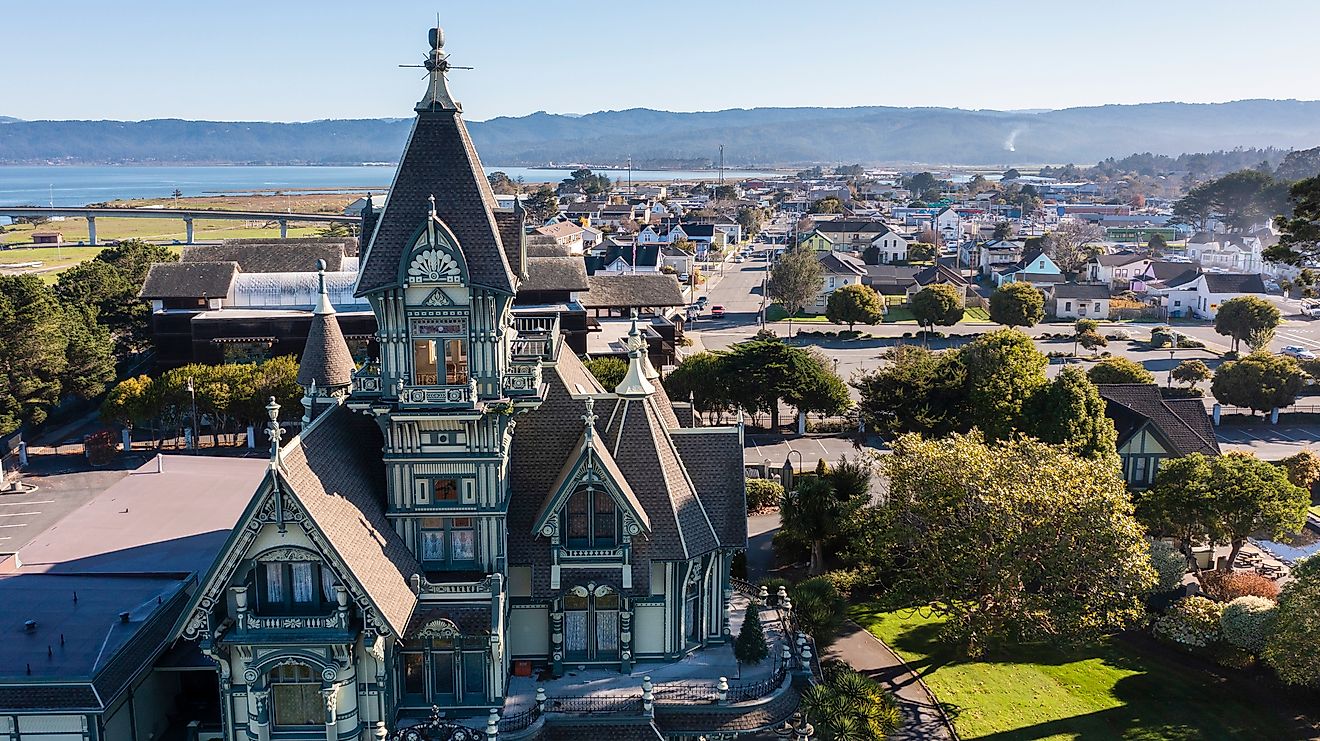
(1183, 423)
(326, 359)
(286, 256)
(566, 273)
(626, 290)
(713, 457)
(189, 280)
(439, 160)
(334, 469)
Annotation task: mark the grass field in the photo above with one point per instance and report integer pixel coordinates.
(152, 230)
(1111, 691)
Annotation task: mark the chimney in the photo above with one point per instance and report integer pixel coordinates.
(30, 626)
(160, 463)
(123, 617)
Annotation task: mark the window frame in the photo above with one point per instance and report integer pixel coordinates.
(320, 604)
(591, 497)
(452, 528)
(276, 681)
(434, 658)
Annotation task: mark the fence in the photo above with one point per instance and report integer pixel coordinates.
(519, 721)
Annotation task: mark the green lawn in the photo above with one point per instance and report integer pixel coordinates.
(975, 314)
(1111, 691)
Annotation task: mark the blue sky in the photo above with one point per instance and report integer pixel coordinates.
(294, 60)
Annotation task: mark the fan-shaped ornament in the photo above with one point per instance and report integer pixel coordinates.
(433, 266)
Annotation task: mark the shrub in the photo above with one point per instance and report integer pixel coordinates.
(819, 609)
(1247, 622)
(1170, 565)
(1226, 586)
(1119, 370)
(850, 705)
(763, 494)
(1160, 336)
(1191, 621)
(789, 548)
(1290, 648)
(850, 581)
(607, 369)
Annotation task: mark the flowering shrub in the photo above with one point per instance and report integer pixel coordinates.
(1226, 586)
(1170, 565)
(1247, 621)
(1191, 621)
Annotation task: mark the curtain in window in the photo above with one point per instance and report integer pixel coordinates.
(298, 705)
(303, 589)
(607, 631)
(274, 583)
(464, 545)
(575, 631)
(433, 545)
(328, 584)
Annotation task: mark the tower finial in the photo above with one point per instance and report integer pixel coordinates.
(437, 64)
(323, 305)
(636, 382)
(274, 431)
(589, 419)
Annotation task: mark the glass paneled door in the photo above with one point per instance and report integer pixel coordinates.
(591, 624)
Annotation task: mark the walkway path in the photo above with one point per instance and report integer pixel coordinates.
(867, 654)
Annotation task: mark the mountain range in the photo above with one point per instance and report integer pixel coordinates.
(751, 137)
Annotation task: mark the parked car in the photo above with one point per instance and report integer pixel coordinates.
(1299, 352)
(717, 310)
(739, 258)
(684, 278)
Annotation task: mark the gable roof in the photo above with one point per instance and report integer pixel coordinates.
(1080, 290)
(334, 469)
(567, 273)
(841, 264)
(839, 226)
(1117, 259)
(589, 455)
(713, 457)
(439, 160)
(189, 280)
(1183, 423)
(606, 290)
(1167, 271)
(939, 273)
(1234, 283)
(263, 256)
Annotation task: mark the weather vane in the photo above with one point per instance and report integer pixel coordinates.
(436, 63)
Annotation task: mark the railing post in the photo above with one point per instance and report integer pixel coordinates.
(764, 596)
(540, 700)
(648, 697)
(722, 691)
(493, 724)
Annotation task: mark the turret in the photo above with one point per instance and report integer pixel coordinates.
(326, 370)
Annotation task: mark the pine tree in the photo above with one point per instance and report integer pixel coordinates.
(750, 647)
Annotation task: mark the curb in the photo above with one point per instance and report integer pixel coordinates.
(934, 702)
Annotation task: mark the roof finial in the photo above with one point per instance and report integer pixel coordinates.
(323, 305)
(589, 419)
(636, 381)
(437, 64)
(431, 198)
(274, 431)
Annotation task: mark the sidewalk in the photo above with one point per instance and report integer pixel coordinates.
(867, 654)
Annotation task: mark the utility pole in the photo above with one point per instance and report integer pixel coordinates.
(721, 164)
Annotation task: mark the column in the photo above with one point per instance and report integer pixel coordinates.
(557, 643)
(259, 713)
(284, 229)
(91, 230)
(188, 227)
(330, 696)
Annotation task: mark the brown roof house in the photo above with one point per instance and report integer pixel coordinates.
(471, 510)
(1152, 428)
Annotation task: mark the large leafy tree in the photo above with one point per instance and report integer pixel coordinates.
(1224, 499)
(795, 280)
(816, 511)
(915, 390)
(608, 370)
(33, 362)
(1245, 317)
(1119, 369)
(541, 205)
(1003, 369)
(109, 284)
(1260, 382)
(702, 377)
(1017, 305)
(854, 303)
(1011, 541)
(1240, 199)
(1300, 238)
(939, 304)
(1068, 411)
(1290, 648)
(769, 371)
(1191, 372)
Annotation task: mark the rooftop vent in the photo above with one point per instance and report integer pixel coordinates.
(30, 626)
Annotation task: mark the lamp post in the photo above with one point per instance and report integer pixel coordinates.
(1173, 345)
(192, 392)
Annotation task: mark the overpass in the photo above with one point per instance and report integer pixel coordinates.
(187, 214)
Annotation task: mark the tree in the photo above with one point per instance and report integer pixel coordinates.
(89, 355)
(750, 218)
(32, 365)
(541, 205)
(817, 509)
(1017, 304)
(501, 183)
(1260, 382)
(938, 304)
(1290, 648)
(1241, 199)
(725, 193)
(1299, 239)
(1245, 316)
(607, 369)
(795, 280)
(922, 182)
(1191, 372)
(1004, 230)
(1224, 499)
(914, 390)
(1303, 468)
(854, 303)
(849, 706)
(1157, 243)
(582, 180)
(827, 205)
(769, 371)
(703, 377)
(1119, 369)
(1003, 369)
(819, 609)
(1072, 244)
(1010, 174)
(1016, 541)
(921, 252)
(750, 647)
(109, 284)
(1069, 412)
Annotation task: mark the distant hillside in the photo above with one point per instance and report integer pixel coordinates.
(760, 136)
(7, 119)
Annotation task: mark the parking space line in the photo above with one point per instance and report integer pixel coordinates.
(1253, 437)
(26, 504)
(1285, 436)
(20, 525)
(18, 514)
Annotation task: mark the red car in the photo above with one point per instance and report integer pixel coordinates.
(717, 310)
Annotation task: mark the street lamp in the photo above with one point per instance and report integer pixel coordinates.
(1173, 345)
(192, 392)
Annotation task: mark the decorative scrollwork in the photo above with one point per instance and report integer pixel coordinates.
(436, 729)
(433, 266)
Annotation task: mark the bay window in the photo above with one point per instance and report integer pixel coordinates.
(448, 541)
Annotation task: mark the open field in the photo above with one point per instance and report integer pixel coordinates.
(1115, 690)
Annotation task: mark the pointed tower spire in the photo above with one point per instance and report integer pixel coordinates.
(437, 86)
(326, 369)
(589, 421)
(635, 382)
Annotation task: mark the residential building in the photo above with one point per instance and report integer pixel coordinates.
(1239, 253)
(940, 273)
(1200, 294)
(1079, 301)
(840, 269)
(998, 254)
(1036, 268)
(1152, 429)
(1117, 269)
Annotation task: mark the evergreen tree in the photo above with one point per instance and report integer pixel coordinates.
(750, 647)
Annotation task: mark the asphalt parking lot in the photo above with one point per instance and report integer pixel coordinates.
(63, 483)
(1270, 442)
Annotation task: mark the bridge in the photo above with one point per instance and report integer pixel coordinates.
(187, 214)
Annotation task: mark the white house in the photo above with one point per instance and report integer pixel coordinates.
(1117, 269)
(999, 254)
(840, 270)
(1201, 294)
(1077, 301)
(948, 223)
(1240, 253)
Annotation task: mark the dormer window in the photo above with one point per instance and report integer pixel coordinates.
(294, 588)
(592, 519)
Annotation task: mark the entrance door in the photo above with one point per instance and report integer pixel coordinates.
(591, 625)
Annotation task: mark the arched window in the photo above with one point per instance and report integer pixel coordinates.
(295, 691)
(591, 519)
(442, 666)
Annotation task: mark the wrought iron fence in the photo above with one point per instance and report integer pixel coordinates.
(757, 690)
(685, 692)
(520, 720)
(603, 703)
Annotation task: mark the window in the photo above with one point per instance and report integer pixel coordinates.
(592, 519)
(445, 670)
(447, 541)
(424, 362)
(445, 490)
(1139, 470)
(1067, 306)
(591, 625)
(294, 588)
(456, 364)
(296, 693)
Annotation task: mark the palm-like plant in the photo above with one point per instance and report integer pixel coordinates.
(848, 706)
